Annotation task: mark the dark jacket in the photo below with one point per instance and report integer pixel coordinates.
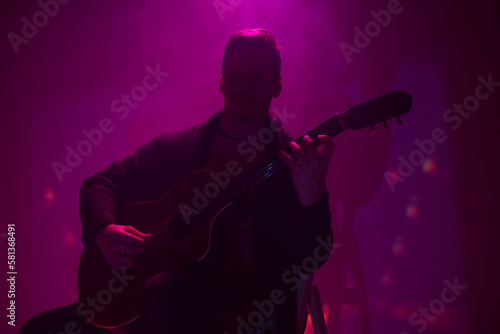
(286, 232)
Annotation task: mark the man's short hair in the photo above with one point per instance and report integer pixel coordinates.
(257, 38)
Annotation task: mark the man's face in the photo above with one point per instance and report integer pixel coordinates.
(248, 82)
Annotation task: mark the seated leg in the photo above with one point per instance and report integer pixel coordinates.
(212, 301)
(60, 320)
(168, 308)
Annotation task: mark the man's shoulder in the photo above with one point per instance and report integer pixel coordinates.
(171, 138)
(184, 139)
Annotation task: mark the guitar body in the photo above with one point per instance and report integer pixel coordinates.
(111, 298)
(185, 222)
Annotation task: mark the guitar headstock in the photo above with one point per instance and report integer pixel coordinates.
(377, 110)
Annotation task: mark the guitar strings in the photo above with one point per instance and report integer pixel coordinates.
(254, 175)
(266, 168)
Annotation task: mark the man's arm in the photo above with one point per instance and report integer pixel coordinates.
(310, 234)
(144, 176)
(100, 196)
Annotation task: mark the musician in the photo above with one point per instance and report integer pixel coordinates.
(285, 215)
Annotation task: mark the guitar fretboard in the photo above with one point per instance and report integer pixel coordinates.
(363, 115)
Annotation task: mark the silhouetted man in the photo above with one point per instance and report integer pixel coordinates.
(284, 215)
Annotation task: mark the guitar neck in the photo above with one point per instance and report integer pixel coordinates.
(272, 164)
(363, 115)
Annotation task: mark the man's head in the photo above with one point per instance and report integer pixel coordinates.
(251, 73)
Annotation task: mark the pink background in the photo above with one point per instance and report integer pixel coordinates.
(439, 224)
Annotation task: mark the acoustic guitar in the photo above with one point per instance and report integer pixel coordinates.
(182, 235)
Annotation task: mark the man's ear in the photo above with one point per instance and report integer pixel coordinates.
(277, 90)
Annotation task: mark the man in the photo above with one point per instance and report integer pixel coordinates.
(286, 214)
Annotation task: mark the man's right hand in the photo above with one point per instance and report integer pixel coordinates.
(120, 244)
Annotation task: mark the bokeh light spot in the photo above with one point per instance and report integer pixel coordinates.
(388, 278)
(49, 195)
(412, 211)
(400, 312)
(69, 239)
(399, 247)
(429, 166)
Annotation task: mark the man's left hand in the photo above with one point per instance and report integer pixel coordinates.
(310, 167)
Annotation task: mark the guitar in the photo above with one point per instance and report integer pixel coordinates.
(110, 298)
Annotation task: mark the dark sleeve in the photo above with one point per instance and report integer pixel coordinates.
(101, 194)
(309, 232)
